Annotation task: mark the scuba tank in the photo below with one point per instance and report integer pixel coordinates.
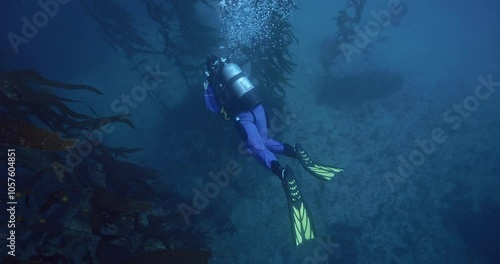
(235, 91)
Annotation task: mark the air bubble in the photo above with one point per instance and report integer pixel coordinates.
(248, 22)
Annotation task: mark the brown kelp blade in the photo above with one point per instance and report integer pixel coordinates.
(108, 251)
(31, 183)
(96, 123)
(50, 200)
(171, 256)
(35, 77)
(110, 201)
(120, 151)
(20, 133)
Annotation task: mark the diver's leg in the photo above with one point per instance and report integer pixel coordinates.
(271, 144)
(261, 121)
(255, 144)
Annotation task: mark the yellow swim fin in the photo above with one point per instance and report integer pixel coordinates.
(323, 172)
(300, 220)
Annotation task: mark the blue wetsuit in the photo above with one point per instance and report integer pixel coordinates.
(254, 124)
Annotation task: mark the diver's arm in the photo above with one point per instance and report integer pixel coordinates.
(211, 99)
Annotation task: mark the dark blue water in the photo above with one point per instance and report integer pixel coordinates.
(408, 107)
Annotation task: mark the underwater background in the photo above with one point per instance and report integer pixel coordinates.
(117, 156)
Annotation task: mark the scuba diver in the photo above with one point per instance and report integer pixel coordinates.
(229, 92)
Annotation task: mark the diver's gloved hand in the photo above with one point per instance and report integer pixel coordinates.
(205, 85)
